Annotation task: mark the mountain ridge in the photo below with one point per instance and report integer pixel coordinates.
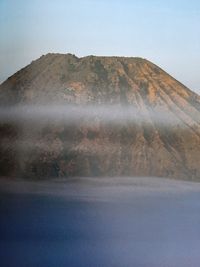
(147, 123)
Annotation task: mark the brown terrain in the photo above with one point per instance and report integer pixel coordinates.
(131, 119)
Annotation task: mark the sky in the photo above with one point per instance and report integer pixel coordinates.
(164, 32)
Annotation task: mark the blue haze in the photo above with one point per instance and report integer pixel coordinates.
(110, 222)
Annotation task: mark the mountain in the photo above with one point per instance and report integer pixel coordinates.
(98, 116)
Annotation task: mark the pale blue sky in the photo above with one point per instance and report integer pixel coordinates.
(165, 32)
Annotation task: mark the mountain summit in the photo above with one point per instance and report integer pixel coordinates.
(106, 116)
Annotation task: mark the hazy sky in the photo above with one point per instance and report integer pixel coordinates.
(165, 32)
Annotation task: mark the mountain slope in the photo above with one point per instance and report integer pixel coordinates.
(98, 116)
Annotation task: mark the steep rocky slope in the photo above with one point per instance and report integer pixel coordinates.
(65, 116)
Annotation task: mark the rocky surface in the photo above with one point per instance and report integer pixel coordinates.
(98, 116)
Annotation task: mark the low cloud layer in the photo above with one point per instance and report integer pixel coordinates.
(74, 114)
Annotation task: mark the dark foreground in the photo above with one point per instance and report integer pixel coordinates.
(124, 222)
